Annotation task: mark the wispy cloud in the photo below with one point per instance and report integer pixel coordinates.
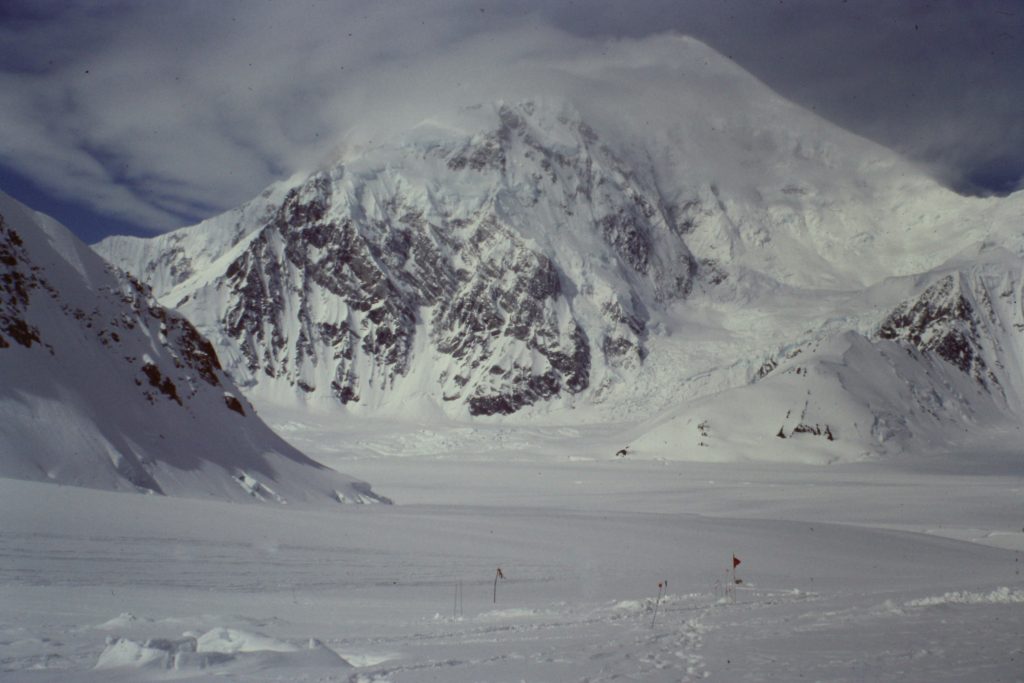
(161, 113)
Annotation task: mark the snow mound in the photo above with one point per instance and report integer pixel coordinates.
(1000, 596)
(218, 647)
(233, 641)
(123, 620)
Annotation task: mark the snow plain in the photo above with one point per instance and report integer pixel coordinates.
(867, 571)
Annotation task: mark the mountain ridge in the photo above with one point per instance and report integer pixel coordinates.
(104, 388)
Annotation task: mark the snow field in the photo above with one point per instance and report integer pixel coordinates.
(150, 588)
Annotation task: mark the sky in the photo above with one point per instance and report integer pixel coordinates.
(126, 117)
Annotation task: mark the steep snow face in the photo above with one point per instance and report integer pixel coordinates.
(971, 318)
(938, 370)
(102, 387)
(631, 244)
(844, 398)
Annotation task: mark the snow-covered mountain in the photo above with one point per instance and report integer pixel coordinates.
(104, 388)
(938, 371)
(627, 245)
(442, 263)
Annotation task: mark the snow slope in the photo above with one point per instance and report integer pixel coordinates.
(102, 387)
(99, 587)
(939, 371)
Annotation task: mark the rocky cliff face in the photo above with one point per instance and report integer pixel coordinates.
(942, 320)
(15, 282)
(515, 260)
(124, 308)
(972, 319)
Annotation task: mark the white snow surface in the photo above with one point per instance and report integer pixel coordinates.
(89, 403)
(849, 572)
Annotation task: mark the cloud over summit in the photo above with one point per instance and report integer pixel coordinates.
(162, 113)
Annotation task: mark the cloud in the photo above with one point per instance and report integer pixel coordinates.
(162, 113)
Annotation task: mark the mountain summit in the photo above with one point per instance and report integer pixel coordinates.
(637, 242)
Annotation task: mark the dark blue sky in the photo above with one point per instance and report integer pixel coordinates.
(90, 224)
(128, 117)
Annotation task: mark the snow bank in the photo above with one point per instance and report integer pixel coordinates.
(1000, 596)
(217, 647)
(121, 621)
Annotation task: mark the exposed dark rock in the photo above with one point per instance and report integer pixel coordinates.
(624, 340)
(485, 154)
(16, 280)
(528, 388)
(941, 320)
(766, 368)
(712, 272)
(624, 231)
(197, 351)
(814, 430)
(355, 262)
(512, 299)
(163, 384)
(234, 404)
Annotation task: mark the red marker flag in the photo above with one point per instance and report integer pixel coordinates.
(735, 561)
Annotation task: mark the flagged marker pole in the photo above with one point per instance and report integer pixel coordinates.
(662, 586)
(735, 563)
(498, 574)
